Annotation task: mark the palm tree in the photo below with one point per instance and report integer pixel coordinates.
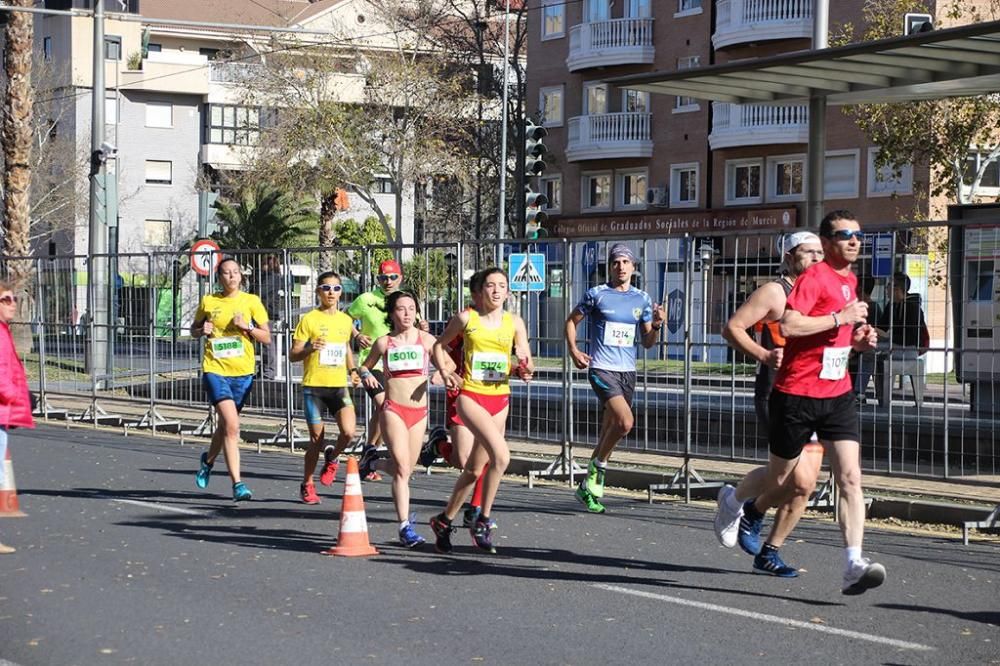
(18, 103)
(267, 218)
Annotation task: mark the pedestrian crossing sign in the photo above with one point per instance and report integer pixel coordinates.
(526, 271)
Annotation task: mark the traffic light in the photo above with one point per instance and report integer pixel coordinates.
(534, 216)
(534, 149)
(534, 165)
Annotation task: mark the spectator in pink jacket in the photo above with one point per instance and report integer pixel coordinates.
(15, 402)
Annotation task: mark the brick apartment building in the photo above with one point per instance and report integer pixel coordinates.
(621, 158)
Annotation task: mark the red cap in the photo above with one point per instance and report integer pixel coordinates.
(389, 266)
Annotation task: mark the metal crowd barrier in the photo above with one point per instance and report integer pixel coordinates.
(694, 396)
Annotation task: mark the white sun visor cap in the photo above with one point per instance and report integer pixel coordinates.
(792, 241)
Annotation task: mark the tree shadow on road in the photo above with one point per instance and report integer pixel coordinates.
(983, 617)
(244, 535)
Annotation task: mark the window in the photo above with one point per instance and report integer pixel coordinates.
(233, 125)
(159, 114)
(991, 174)
(632, 186)
(553, 19)
(552, 189)
(635, 101)
(154, 48)
(156, 233)
(159, 172)
(638, 9)
(110, 111)
(743, 182)
(112, 47)
(47, 48)
(596, 191)
(786, 178)
(597, 10)
(684, 185)
(840, 174)
(885, 181)
(383, 186)
(595, 99)
(211, 54)
(688, 8)
(685, 104)
(551, 102)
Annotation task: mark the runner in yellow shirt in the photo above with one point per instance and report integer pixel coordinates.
(231, 321)
(489, 333)
(322, 341)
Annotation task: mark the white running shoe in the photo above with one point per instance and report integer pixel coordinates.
(862, 575)
(727, 522)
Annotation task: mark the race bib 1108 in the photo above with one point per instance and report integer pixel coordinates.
(333, 355)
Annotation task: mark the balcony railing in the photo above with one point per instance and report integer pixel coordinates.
(743, 21)
(608, 136)
(758, 124)
(622, 41)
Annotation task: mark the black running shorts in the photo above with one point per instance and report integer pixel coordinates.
(794, 418)
(609, 383)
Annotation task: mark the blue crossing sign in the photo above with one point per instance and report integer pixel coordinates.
(526, 271)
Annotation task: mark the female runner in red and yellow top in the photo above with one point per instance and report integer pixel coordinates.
(489, 335)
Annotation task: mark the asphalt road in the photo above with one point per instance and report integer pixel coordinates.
(123, 560)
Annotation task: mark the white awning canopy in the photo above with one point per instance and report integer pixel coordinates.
(957, 62)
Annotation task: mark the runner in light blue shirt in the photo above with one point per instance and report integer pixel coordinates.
(620, 314)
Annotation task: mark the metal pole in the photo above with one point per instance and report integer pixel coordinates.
(688, 279)
(286, 319)
(151, 333)
(817, 124)
(503, 134)
(40, 304)
(98, 242)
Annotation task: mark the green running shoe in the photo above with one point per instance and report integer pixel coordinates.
(595, 479)
(588, 500)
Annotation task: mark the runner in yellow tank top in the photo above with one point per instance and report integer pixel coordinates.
(489, 333)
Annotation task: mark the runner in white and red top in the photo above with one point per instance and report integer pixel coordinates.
(823, 321)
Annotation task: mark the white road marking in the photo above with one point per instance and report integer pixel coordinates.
(162, 507)
(798, 624)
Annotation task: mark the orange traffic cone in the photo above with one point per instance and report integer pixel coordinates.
(353, 538)
(8, 491)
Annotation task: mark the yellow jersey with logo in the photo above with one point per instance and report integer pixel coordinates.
(328, 366)
(487, 352)
(228, 350)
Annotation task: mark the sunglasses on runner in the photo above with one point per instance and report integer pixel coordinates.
(389, 276)
(331, 287)
(847, 234)
(8, 300)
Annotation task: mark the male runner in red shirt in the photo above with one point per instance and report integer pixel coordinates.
(823, 321)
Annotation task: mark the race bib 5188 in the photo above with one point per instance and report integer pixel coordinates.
(229, 347)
